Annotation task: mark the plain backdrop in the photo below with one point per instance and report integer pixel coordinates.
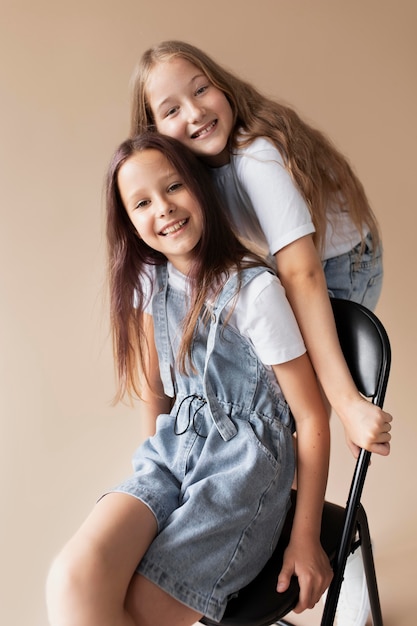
(347, 67)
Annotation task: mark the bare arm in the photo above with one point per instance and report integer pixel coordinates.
(154, 401)
(304, 556)
(300, 271)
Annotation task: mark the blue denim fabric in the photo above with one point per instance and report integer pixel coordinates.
(356, 275)
(220, 487)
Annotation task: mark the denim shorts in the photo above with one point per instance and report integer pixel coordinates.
(220, 505)
(356, 275)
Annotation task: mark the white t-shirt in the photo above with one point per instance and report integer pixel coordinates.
(267, 208)
(262, 314)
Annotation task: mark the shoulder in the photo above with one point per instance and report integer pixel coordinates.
(261, 148)
(149, 286)
(264, 316)
(146, 288)
(259, 160)
(264, 285)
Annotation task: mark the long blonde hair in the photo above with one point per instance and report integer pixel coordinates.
(322, 174)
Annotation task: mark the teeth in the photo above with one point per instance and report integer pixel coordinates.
(173, 228)
(205, 130)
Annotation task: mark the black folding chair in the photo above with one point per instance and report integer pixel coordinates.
(366, 348)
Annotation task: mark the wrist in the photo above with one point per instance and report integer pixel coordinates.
(307, 530)
(300, 540)
(345, 405)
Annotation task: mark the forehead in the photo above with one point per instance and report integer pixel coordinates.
(145, 167)
(168, 77)
(150, 158)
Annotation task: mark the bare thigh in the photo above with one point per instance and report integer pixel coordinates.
(148, 605)
(127, 527)
(90, 578)
(119, 529)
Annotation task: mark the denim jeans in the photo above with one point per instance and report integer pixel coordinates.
(356, 275)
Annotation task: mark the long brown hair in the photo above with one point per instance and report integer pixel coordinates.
(322, 174)
(129, 259)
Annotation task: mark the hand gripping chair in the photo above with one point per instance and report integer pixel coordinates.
(366, 348)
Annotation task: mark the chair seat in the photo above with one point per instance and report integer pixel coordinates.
(259, 604)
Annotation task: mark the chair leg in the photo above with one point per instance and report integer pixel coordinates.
(330, 606)
(369, 566)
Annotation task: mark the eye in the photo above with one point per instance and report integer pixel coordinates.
(201, 90)
(175, 187)
(142, 204)
(171, 111)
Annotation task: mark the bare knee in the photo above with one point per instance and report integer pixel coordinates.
(65, 585)
(81, 588)
(90, 577)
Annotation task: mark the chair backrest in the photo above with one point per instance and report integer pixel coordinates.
(365, 346)
(367, 351)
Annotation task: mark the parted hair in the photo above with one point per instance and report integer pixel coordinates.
(129, 258)
(321, 172)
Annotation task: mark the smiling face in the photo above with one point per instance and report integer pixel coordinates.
(187, 106)
(163, 211)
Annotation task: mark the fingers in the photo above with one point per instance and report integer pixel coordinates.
(383, 449)
(370, 431)
(284, 580)
(387, 417)
(314, 577)
(387, 426)
(311, 590)
(381, 444)
(353, 447)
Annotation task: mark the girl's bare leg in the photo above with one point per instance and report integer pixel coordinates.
(93, 581)
(150, 606)
(88, 581)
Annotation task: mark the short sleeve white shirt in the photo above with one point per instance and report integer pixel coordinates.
(267, 208)
(264, 203)
(261, 313)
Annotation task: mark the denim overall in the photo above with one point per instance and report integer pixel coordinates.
(218, 473)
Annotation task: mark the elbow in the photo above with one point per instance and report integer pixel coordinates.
(299, 267)
(303, 279)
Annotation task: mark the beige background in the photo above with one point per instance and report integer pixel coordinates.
(349, 67)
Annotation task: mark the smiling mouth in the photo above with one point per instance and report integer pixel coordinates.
(173, 228)
(205, 130)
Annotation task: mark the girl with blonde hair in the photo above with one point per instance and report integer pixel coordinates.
(288, 191)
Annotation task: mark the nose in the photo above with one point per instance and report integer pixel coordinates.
(165, 206)
(195, 113)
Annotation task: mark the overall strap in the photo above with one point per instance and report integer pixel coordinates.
(161, 321)
(224, 424)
